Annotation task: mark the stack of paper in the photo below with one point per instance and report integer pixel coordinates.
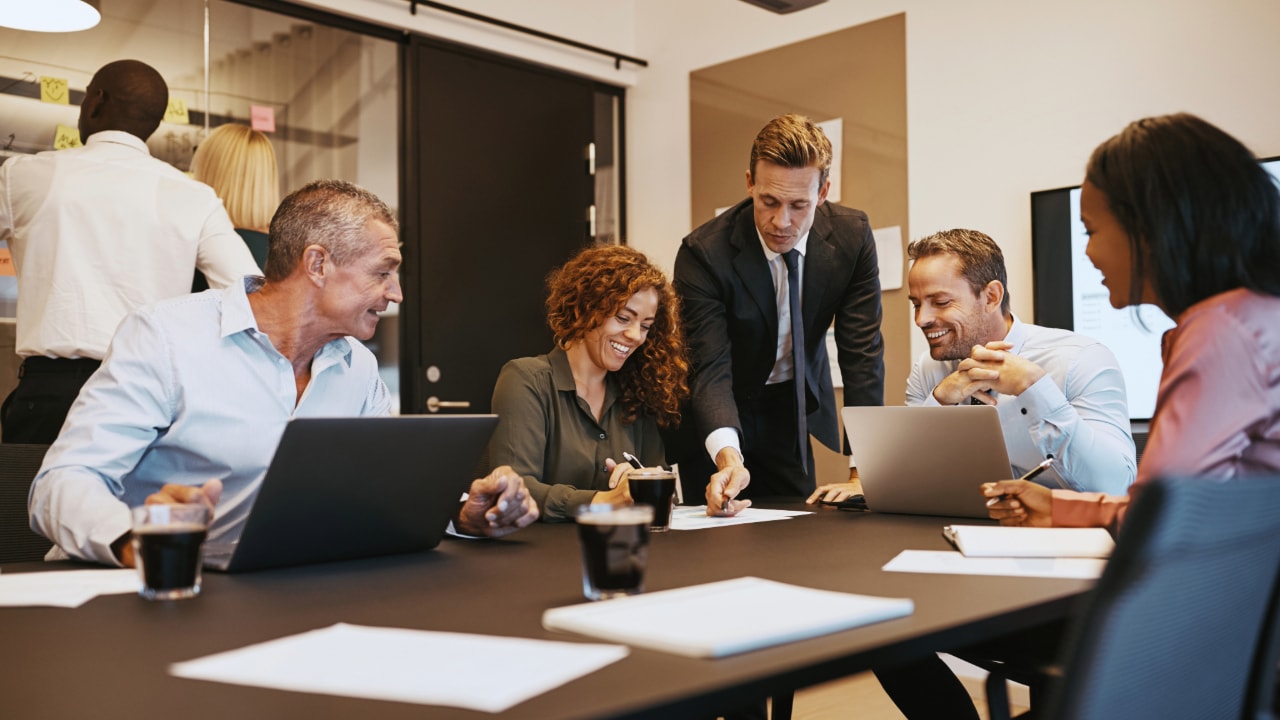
(1030, 542)
(745, 613)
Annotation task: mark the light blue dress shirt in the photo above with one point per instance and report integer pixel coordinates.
(1077, 412)
(190, 390)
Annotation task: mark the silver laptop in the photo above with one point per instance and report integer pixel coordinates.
(927, 460)
(345, 488)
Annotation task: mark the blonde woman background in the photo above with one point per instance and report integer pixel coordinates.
(239, 163)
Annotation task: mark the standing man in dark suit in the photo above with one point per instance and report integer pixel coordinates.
(740, 277)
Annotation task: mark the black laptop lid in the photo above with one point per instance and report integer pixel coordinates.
(344, 488)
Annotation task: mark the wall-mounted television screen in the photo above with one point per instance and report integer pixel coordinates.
(1069, 294)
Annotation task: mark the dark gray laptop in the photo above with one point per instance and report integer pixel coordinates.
(927, 460)
(345, 488)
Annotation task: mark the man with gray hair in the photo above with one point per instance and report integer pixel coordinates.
(195, 392)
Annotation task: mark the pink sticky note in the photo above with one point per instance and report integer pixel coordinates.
(262, 118)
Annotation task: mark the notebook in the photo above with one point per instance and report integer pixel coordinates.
(1029, 542)
(927, 460)
(745, 610)
(345, 488)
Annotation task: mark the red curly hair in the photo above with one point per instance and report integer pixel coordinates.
(595, 285)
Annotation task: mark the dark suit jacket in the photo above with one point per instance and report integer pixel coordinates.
(730, 318)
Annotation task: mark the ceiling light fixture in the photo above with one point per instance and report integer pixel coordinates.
(49, 15)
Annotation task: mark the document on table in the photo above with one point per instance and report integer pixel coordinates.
(745, 609)
(476, 672)
(65, 588)
(1041, 542)
(686, 517)
(950, 562)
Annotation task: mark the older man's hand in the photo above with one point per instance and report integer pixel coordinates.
(497, 505)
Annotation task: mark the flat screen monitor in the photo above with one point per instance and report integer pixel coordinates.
(1069, 294)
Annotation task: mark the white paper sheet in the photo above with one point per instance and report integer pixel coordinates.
(889, 256)
(476, 672)
(695, 517)
(65, 588)
(949, 562)
(745, 611)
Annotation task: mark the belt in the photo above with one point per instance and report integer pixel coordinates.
(66, 366)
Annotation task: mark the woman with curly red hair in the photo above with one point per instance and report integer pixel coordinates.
(618, 373)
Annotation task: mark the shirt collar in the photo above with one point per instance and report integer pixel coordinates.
(237, 317)
(119, 137)
(561, 373)
(562, 376)
(770, 255)
(1016, 336)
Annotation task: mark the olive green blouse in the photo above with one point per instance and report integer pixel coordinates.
(546, 434)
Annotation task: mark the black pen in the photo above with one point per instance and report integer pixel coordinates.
(632, 460)
(1031, 475)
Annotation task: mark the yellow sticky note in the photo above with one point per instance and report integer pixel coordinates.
(54, 90)
(6, 262)
(177, 112)
(66, 137)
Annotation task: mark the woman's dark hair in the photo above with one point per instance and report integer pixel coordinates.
(1202, 215)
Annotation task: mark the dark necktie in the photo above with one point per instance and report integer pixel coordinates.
(792, 259)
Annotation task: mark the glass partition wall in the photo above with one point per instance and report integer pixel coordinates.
(328, 97)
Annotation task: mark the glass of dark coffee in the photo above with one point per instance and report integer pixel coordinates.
(655, 487)
(615, 549)
(167, 545)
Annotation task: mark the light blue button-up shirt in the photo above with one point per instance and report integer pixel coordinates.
(1078, 412)
(190, 390)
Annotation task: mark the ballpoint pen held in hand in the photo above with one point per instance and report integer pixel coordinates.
(1031, 475)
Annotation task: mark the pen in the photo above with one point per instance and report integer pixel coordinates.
(632, 460)
(1032, 474)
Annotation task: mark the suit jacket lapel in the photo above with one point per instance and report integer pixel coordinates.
(819, 254)
(750, 265)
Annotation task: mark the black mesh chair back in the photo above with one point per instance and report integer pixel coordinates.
(1182, 622)
(18, 466)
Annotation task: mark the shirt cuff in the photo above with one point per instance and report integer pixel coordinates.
(720, 439)
(1042, 400)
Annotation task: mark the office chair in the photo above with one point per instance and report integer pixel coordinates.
(18, 466)
(1185, 620)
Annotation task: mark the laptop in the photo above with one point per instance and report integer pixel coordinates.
(345, 488)
(927, 460)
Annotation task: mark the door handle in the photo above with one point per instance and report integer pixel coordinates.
(434, 404)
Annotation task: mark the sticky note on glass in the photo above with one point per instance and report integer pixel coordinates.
(177, 112)
(262, 118)
(66, 137)
(54, 90)
(6, 262)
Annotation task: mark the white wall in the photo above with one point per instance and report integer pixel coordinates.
(1004, 97)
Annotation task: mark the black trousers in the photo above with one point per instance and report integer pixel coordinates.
(769, 447)
(35, 410)
(927, 688)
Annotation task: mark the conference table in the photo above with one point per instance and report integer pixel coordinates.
(108, 658)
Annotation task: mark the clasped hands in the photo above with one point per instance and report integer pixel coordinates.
(989, 368)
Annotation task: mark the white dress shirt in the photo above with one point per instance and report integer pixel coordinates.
(1078, 412)
(101, 230)
(190, 390)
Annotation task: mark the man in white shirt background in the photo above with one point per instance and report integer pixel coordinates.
(96, 232)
